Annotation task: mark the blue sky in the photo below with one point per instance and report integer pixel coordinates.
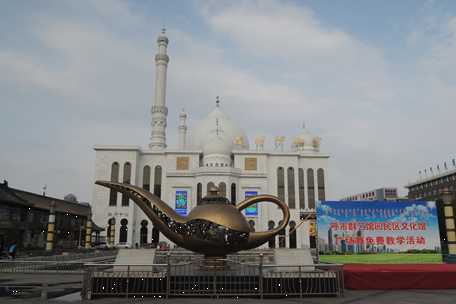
(375, 79)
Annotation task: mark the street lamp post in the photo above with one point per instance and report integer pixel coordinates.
(50, 234)
(88, 232)
(80, 229)
(450, 227)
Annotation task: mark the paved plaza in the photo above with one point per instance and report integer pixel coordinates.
(55, 284)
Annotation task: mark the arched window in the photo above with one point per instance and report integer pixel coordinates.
(126, 180)
(123, 230)
(155, 236)
(280, 184)
(312, 238)
(281, 237)
(144, 231)
(114, 178)
(109, 232)
(271, 242)
(199, 192)
(291, 188)
(321, 184)
(311, 188)
(209, 186)
(293, 234)
(146, 178)
(252, 225)
(233, 194)
(302, 204)
(158, 181)
(222, 189)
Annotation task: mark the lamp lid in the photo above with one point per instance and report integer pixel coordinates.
(214, 198)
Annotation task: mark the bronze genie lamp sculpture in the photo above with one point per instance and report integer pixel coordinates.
(214, 227)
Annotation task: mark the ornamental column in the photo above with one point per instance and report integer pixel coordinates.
(111, 237)
(88, 232)
(50, 233)
(182, 129)
(159, 110)
(450, 227)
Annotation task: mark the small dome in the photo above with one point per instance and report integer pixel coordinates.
(305, 142)
(196, 134)
(70, 198)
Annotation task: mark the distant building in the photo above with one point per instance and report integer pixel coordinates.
(431, 188)
(381, 194)
(24, 219)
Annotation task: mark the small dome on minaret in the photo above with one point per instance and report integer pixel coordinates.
(305, 142)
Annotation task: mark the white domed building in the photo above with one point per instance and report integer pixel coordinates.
(215, 152)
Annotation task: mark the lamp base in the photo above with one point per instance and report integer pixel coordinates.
(48, 253)
(451, 259)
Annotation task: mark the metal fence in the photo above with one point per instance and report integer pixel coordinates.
(67, 256)
(46, 267)
(214, 278)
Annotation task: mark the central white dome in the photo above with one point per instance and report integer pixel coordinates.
(196, 134)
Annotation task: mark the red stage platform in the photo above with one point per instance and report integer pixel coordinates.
(399, 276)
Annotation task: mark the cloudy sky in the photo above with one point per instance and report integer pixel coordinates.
(375, 79)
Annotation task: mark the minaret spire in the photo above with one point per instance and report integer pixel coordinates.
(159, 110)
(182, 129)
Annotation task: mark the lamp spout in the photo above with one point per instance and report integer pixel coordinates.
(163, 216)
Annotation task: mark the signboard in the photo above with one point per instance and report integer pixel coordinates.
(378, 232)
(181, 202)
(253, 209)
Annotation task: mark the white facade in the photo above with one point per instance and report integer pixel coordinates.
(215, 152)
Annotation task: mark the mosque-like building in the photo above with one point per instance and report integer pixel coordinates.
(215, 152)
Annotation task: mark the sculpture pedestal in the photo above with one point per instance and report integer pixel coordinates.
(135, 256)
(215, 264)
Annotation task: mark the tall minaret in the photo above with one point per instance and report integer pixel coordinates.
(159, 110)
(182, 129)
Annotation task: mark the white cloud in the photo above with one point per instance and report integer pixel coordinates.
(292, 39)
